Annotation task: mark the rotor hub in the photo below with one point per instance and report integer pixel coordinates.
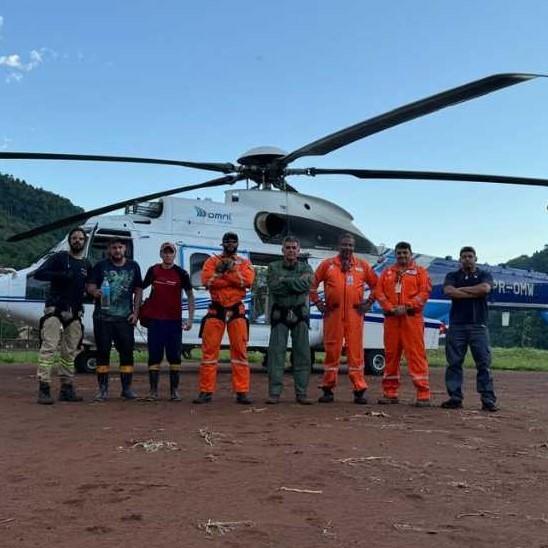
(261, 156)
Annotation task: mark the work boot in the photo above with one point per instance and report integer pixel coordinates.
(127, 393)
(174, 385)
(67, 393)
(327, 396)
(423, 403)
(243, 398)
(273, 399)
(153, 376)
(203, 397)
(359, 397)
(102, 380)
(386, 400)
(489, 406)
(303, 400)
(451, 404)
(44, 394)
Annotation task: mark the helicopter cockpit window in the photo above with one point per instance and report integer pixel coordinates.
(197, 261)
(97, 249)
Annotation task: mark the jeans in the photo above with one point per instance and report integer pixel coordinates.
(459, 338)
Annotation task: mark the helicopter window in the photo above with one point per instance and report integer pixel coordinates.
(197, 261)
(36, 289)
(259, 304)
(97, 250)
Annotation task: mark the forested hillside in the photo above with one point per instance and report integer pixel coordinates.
(538, 261)
(22, 207)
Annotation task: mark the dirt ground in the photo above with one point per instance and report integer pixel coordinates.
(75, 475)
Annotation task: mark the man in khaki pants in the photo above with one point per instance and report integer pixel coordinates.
(61, 324)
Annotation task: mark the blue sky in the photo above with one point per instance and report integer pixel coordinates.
(208, 80)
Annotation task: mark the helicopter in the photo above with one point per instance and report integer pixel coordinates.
(262, 216)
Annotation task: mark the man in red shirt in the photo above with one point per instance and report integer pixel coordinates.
(162, 313)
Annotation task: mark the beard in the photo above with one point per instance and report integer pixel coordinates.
(76, 248)
(230, 250)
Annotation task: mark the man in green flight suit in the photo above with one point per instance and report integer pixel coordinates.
(288, 284)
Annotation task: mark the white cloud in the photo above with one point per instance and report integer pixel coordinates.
(12, 61)
(16, 66)
(5, 142)
(13, 77)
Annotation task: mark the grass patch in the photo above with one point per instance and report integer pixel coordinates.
(512, 359)
(515, 359)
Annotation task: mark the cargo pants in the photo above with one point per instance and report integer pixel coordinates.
(277, 347)
(68, 339)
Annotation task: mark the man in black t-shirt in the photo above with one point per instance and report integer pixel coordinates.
(468, 289)
(61, 323)
(114, 318)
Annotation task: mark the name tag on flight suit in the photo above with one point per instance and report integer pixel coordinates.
(349, 279)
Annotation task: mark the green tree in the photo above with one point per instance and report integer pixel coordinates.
(23, 207)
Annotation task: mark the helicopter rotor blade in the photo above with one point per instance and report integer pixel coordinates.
(407, 112)
(421, 176)
(227, 180)
(208, 166)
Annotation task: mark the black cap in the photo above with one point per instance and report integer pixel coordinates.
(230, 236)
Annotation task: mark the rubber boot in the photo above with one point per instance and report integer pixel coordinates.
(153, 376)
(243, 398)
(102, 381)
(174, 385)
(359, 397)
(127, 393)
(44, 394)
(203, 397)
(67, 393)
(327, 396)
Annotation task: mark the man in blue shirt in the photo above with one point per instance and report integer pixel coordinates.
(468, 289)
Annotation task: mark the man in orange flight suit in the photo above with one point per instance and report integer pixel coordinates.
(402, 292)
(344, 278)
(227, 276)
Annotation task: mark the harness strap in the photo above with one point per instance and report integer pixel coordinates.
(225, 314)
(290, 316)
